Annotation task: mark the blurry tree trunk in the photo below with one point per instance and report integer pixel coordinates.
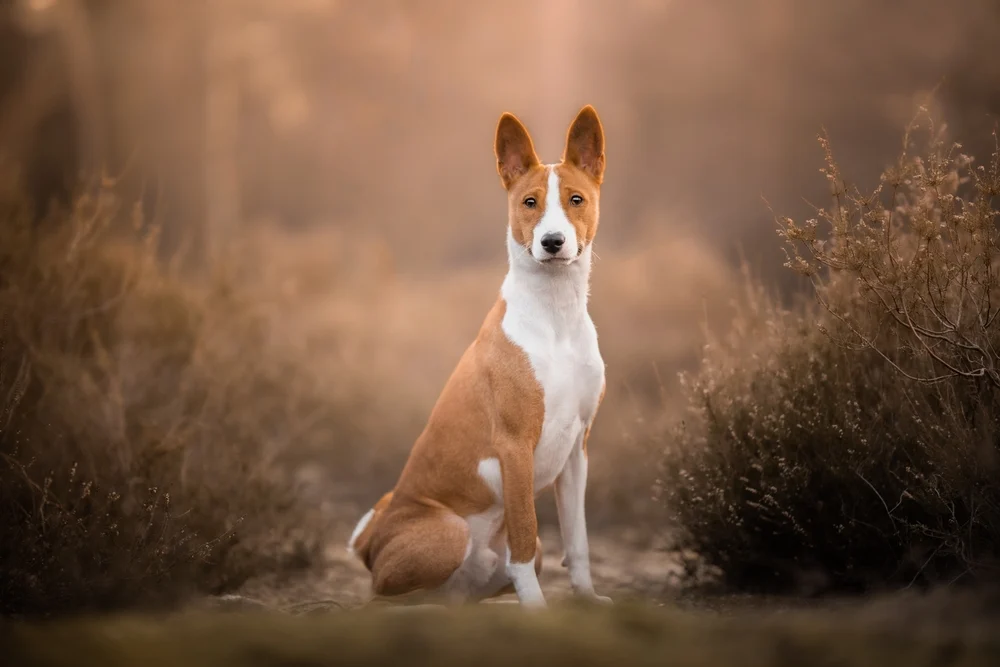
(221, 130)
(38, 90)
(76, 41)
(61, 67)
(161, 105)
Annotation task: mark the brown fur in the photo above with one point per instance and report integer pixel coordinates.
(514, 150)
(491, 407)
(534, 183)
(585, 144)
(584, 216)
(362, 542)
(524, 177)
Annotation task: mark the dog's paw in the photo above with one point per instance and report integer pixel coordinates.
(594, 598)
(534, 605)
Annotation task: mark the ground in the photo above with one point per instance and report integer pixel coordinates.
(320, 618)
(620, 569)
(628, 633)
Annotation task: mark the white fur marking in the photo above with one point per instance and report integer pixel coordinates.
(489, 470)
(473, 576)
(547, 317)
(477, 574)
(358, 529)
(554, 221)
(525, 582)
(570, 487)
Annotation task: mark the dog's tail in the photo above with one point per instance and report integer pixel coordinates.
(361, 537)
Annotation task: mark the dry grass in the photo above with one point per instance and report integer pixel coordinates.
(144, 419)
(853, 442)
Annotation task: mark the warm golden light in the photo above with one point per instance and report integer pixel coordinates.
(244, 243)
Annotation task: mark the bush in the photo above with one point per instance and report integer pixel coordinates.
(143, 416)
(856, 438)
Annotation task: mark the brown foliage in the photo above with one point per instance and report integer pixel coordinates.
(143, 418)
(858, 440)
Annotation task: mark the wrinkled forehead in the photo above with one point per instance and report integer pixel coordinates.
(536, 181)
(573, 178)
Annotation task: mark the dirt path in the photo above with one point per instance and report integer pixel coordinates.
(620, 570)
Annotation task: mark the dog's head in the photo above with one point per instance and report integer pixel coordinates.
(553, 210)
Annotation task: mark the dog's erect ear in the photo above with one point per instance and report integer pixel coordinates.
(585, 143)
(514, 150)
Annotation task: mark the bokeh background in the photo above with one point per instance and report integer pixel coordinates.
(376, 118)
(343, 149)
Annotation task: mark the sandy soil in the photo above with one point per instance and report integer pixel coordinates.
(620, 570)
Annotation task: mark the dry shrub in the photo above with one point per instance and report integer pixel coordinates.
(856, 438)
(144, 418)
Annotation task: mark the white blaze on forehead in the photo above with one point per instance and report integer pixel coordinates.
(554, 221)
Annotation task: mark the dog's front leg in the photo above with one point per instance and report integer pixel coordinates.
(570, 488)
(517, 471)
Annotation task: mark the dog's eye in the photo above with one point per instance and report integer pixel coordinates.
(530, 202)
(576, 200)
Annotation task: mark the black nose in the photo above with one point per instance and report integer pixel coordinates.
(552, 242)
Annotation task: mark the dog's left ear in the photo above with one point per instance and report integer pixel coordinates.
(585, 143)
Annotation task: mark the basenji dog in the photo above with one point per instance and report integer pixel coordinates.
(515, 415)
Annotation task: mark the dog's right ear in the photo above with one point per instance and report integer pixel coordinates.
(514, 150)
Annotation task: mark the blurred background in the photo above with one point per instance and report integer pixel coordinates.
(367, 116)
(353, 141)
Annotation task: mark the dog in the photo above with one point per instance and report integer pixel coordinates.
(515, 415)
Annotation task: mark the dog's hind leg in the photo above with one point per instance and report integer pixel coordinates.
(420, 555)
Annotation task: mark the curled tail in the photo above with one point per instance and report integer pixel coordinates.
(361, 537)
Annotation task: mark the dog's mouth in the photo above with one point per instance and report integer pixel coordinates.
(558, 261)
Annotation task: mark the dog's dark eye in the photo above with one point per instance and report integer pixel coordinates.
(530, 202)
(576, 200)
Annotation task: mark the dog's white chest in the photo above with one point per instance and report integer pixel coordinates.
(570, 370)
(572, 375)
(547, 318)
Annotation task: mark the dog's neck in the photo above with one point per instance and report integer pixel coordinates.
(546, 294)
